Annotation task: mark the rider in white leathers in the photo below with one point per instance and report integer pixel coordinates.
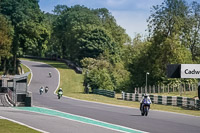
(145, 100)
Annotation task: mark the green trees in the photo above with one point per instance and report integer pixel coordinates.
(169, 42)
(83, 32)
(92, 38)
(191, 34)
(6, 35)
(95, 42)
(101, 74)
(70, 25)
(30, 33)
(168, 21)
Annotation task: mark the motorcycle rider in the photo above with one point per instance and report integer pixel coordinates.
(60, 89)
(145, 101)
(41, 90)
(50, 74)
(46, 89)
(60, 93)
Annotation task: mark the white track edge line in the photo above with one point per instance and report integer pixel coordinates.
(24, 124)
(30, 71)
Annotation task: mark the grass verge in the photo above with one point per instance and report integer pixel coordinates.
(72, 85)
(26, 69)
(189, 94)
(11, 127)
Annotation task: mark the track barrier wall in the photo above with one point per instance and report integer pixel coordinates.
(104, 92)
(185, 102)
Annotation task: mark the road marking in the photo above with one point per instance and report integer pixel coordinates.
(80, 119)
(30, 71)
(58, 80)
(1, 117)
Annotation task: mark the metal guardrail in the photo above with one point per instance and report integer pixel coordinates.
(104, 92)
(165, 100)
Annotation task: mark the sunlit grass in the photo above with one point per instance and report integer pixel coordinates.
(190, 94)
(11, 127)
(26, 69)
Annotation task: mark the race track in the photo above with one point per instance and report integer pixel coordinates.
(155, 122)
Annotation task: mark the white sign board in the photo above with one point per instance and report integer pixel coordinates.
(190, 70)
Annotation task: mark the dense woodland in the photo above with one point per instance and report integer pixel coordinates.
(92, 39)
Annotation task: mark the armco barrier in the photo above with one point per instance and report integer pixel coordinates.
(104, 92)
(165, 100)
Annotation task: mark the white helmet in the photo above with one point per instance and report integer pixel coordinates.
(60, 89)
(146, 95)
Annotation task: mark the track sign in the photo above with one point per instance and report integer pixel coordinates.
(173, 70)
(190, 70)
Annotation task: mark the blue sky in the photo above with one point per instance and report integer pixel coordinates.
(129, 14)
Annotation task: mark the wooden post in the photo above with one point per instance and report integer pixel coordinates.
(180, 89)
(168, 88)
(163, 88)
(192, 87)
(184, 88)
(149, 89)
(189, 87)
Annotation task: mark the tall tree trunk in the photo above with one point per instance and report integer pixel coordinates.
(15, 64)
(4, 66)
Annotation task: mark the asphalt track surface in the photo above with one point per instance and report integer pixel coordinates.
(155, 122)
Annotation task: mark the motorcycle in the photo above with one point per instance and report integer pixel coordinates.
(60, 93)
(41, 91)
(50, 74)
(46, 89)
(145, 110)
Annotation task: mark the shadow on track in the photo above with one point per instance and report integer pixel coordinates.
(42, 65)
(135, 115)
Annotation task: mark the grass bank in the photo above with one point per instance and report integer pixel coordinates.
(26, 69)
(11, 127)
(72, 84)
(189, 94)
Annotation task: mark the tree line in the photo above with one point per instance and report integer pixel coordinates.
(92, 39)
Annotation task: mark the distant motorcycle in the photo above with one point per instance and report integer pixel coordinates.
(60, 93)
(50, 74)
(41, 90)
(145, 110)
(46, 89)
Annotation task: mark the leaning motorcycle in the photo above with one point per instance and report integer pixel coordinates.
(60, 93)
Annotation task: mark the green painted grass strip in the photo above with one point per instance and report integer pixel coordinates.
(78, 118)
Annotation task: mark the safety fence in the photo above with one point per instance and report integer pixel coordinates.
(161, 88)
(165, 100)
(104, 92)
